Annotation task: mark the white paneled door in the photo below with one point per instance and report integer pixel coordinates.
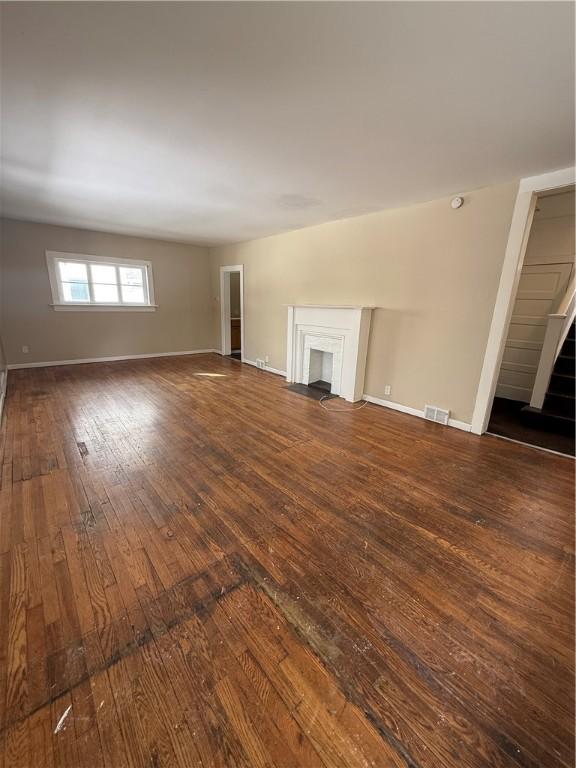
(541, 288)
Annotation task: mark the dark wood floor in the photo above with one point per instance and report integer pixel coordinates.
(507, 420)
(201, 568)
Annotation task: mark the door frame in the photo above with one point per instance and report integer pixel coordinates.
(225, 316)
(520, 227)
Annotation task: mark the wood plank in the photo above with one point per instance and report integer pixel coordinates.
(216, 572)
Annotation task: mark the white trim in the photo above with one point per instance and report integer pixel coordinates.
(225, 314)
(330, 306)
(117, 358)
(58, 303)
(463, 425)
(268, 368)
(290, 345)
(104, 307)
(3, 385)
(564, 177)
(509, 278)
(394, 406)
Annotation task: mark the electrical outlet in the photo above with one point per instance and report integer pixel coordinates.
(25, 349)
(260, 363)
(266, 359)
(387, 389)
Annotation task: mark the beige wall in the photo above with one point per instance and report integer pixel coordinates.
(433, 273)
(182, 286)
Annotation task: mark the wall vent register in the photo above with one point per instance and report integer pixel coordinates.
(432, 413)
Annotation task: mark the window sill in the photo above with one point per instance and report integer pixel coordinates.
(104, 307)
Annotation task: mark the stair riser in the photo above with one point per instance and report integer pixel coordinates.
(561, 385)
(564, 365)
(547, 423)
(559, 410)
(568, 347)
(559, 406)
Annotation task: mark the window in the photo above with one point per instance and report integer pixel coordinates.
(92, 282)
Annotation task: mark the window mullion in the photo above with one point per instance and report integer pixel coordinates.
(60, 283)
(90, 286)
(118, 286)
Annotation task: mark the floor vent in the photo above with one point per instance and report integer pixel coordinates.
(436, 414)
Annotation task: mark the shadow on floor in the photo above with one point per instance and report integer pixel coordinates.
(506, 420)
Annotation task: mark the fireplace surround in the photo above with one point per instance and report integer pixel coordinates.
(333, 337)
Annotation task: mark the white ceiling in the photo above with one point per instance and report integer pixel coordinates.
(215, 122)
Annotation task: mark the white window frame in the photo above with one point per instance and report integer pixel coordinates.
(58, 302)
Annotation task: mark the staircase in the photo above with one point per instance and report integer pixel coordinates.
(559, 407)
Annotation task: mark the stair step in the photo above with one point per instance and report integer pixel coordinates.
(560, 405)
(549, 422)
(561, 384)
(565, 364)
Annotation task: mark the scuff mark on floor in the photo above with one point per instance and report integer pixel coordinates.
(60, 723)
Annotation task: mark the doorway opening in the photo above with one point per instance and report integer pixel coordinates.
(534, 400)
(232, 311)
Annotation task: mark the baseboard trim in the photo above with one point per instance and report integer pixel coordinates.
(394, 406)
(3, 383)
(117, 358)
(464, 426)
(268, 368)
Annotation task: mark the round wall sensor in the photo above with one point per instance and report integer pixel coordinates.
(457, 202)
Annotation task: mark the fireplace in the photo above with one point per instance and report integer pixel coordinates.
(327, 347)
(321, 369)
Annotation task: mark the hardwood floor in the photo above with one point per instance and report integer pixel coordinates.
(201, 568)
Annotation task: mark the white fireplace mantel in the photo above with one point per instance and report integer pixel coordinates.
(343, 330)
